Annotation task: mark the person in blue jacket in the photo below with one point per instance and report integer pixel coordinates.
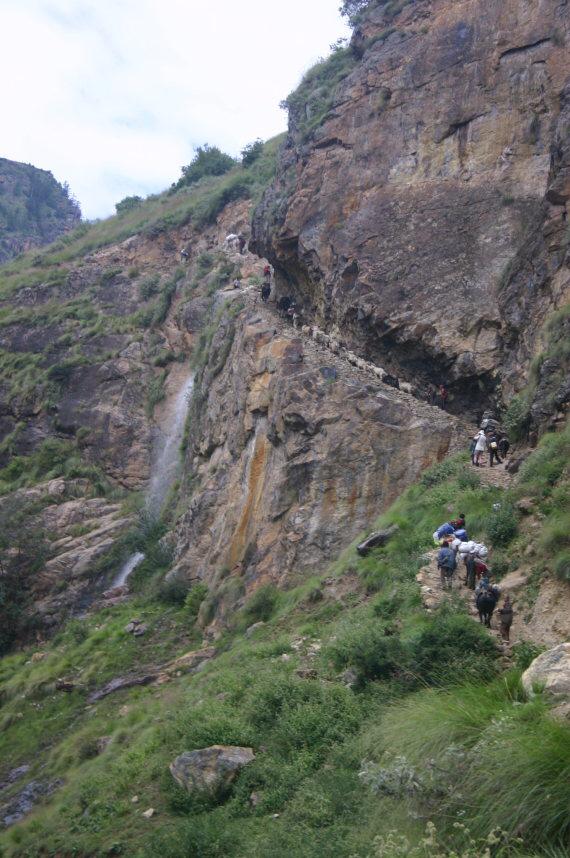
(446, 563)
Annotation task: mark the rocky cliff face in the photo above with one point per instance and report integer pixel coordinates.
(425, 217)
(93, 358)
(291, 453)
(34, 208)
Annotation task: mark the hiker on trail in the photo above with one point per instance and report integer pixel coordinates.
(504, 445)
(446, 563)
(237, 283)
(443, 394)
(481, 569)
(241, 243)
(506, 619)
(184, 255)
(493, 444)
(267, 272)
(458, 523)
(480, 447)
(470, 570)
(265, 292)
(472, 446)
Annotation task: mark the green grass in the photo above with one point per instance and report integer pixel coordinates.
(310, 103)
(500, 761)
(53, 458)
(479, 751)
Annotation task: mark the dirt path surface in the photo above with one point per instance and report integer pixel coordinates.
(495, 476)
(433, 595)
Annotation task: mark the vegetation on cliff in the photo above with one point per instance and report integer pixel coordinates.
(34, 208)
(431, 729)
(85, 313)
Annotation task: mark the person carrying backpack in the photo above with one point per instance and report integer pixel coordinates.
(459, 523)
(446, 563)
(470, 570)
(481, 569)
(493, 449)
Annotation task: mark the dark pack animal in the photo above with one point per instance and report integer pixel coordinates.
(284, 303)
(486, 604)
(391, 380)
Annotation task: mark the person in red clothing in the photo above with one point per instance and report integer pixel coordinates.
(481, 568)
(443, 396)
(458, 523)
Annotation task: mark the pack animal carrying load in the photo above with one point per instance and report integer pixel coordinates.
(446, 529)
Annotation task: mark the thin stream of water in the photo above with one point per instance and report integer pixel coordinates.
(163, 470)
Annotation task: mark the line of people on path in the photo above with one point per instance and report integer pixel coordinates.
(492, 441)
(455, 544)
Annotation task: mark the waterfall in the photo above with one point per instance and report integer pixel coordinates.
(130, 563)
(163, 467)
(167, 447)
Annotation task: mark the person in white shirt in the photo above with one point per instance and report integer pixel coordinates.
(480, 447)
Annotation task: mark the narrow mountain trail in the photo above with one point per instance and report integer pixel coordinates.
(429, 579)
(363, 371)
(433, 595)
(495, 476)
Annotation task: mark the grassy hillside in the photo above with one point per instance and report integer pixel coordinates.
(432, 732)
(34, 208)
(198, 205)
(62, 311)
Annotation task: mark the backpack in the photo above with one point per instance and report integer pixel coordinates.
(446, 558)
(445, 530)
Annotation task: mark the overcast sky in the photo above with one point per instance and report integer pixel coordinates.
(113, 95)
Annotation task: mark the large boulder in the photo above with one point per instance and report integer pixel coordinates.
(550, 671)
(210, 769)
(375, 540)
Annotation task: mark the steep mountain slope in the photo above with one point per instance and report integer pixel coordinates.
(34, 208)
(95, 337)
(367, 715)
(93, 340)
(420, 205)
(250, 632)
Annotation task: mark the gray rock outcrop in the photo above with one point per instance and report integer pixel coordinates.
(550, 672)
(211, 769)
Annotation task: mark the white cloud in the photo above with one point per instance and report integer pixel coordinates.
(114, 95)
